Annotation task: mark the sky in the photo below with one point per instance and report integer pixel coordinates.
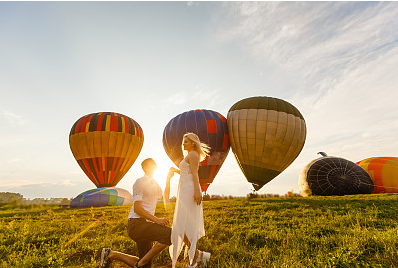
(336, 62)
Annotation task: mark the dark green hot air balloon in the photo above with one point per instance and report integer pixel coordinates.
(266, 136)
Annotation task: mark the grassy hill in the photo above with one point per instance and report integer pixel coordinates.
(347, 231)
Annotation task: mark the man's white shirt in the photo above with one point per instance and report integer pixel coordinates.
(147, 190)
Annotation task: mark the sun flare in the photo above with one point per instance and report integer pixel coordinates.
(163, 166)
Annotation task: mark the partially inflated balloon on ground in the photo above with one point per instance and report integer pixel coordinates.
(100, 197)
(211, 128)
(105, 145)
(334, 176)
(266, 135)
(384, 173)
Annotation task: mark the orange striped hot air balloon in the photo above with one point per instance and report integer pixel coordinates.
(105, 145)
(384, 173)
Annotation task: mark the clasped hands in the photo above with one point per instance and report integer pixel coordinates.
(171, 172)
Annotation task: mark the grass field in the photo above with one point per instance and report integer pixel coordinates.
(348, 231)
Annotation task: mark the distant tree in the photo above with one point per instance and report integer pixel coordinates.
(6, 197)
(65, 201)
(206, 197)
(216, 197)
(252, 195)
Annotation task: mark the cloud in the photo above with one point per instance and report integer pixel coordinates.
(209, 97)
(11, 118)
(67, 183)
(176, 99)
(313, 38)
(345, 53)
(65, 188)
(343, 57)
(14, 160)
(362, 101)
(201, 96)
(192, 3)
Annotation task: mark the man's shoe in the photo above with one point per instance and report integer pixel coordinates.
(204, 258)
(192, 266)
(105, 261)
(136, 264)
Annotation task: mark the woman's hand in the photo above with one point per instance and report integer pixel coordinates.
(170, 175)
(198, 196)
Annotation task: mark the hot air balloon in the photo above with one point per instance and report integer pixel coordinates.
(105, 145)
(334, 176)
(211, 128)
(266, 135)
(100, 197)
(384, 173)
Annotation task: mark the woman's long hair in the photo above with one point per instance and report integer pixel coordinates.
(201, 148)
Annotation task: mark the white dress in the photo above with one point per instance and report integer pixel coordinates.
(188, 216)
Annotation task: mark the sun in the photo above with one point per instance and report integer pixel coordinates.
(163, 166)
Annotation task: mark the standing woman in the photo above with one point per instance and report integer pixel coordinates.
(188, 226)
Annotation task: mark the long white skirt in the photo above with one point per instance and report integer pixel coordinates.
(188, 220)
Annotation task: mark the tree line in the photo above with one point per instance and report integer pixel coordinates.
(7, 197)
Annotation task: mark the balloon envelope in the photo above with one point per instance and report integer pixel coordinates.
(105, 145)
(100, 197)
(211, 128)
(334, 176)
(266, 135)
(384, 173)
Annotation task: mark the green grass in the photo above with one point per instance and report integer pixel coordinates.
(348, 231)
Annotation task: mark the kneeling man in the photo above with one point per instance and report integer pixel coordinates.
(143, 226)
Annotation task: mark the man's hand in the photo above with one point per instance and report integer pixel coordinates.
(162, 221)
(173, 169)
